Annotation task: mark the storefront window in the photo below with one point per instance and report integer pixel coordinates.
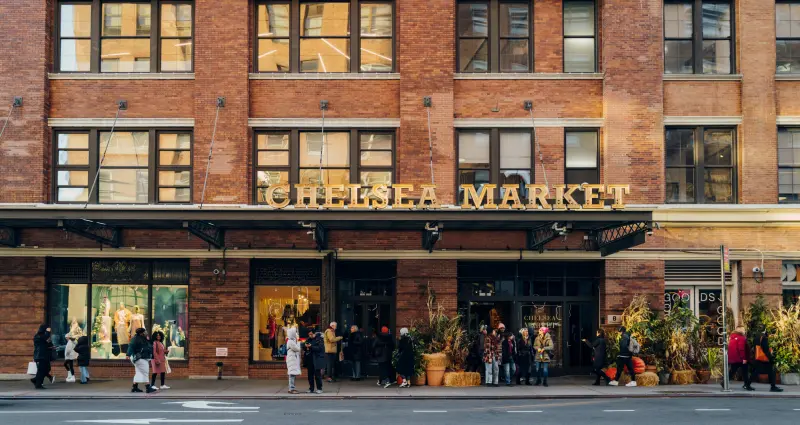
(171, 317)
(705, 303)
(277, 308)
(117, 311)
(67, 312)
(677, 297)
(791, 297)
(491, 314)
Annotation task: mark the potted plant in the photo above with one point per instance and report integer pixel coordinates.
(681, 324)
(446, 344)
(784, 325)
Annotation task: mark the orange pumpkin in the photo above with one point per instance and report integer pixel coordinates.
(611, 372)
(638, 365)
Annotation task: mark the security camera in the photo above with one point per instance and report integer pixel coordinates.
(757, 269)
(216, 271)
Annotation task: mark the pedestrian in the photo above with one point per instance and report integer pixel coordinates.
(355, 342)
(476, 351)
(405, 358)
(543, 350)
(524, 355)
(318, 349)
(624, 358)
(292, 358)
(766, 360)
(491, 358)
(331, 341)
(509, 353)
(140, 352)
(159, 362)
(41, 355)
(501, 336)
(599, 356)
(382, 349)
(312, 371)
(738, 356)
(70, 356)
(84, 351)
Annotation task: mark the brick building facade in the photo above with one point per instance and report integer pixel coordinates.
(626, 110)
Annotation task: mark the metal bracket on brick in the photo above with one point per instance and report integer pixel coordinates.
(95, 231)
(208, 232)
(539, 236)
(8, 236)
(619, 237)
(430, 235)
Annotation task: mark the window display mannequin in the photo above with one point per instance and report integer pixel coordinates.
(122, 324)
(74, 328)
(104, 336)
(137, 320)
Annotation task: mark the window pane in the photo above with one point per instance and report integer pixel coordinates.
(292, 305)
(174, 158)
(335, 153)
(473, 150)
(717, 57)
(123, 186)
(476, 178)
(716, 20)
(174, 141)
(273, 20)
(520, 178)
(265, 179)
(125, 55)
(376, 20)
(785, 176)
(579, 18)
(789, 157)
(515, 150)
(514, 56)
(273, 141)
(371, 141)
(579, 55)
(473, 55)
(678, 57)
(788, 56)
(325, 19)
(75, 55)
(674, 298)
(473, 20)
(126, 19)
(336, 177)
(73, 194)
(783, 20)
(578, 176)
(680, 147)
(273, 55)
(376, 55)
(678, 21)
(325, 55)
(76, 20)
(174, 178)
(176, 54)
(514, 20)
(581, 150)
(171, 317)
(72, 178)
(279, 158)
(718, 185)
(73, 141)
(174, 194)
(176, 20)
(717, 145)
(126, 148)
(680, 185)
(369, 178)
(73, 158)
(117, 311)
(68, 311)
(376, 158)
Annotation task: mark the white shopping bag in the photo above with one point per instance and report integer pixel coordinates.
(32, 368)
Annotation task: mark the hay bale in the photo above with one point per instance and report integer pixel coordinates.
(647, 379)
(624, 379)
(436, 360)
(682, 377)
(462, 379)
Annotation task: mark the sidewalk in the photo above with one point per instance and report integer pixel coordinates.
(560, 388)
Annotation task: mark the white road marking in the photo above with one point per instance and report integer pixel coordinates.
(114, 412)
(430, 411)
(524, 411)
(712, 410)
(335, 411)
(155, 421)
(211, 405)
(614, 411)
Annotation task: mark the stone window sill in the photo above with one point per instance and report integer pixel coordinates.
(323, 76)
(122, 76)
(528, 76)
(702, 77)
(787, 77)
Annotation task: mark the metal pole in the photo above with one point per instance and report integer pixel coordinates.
(726, 384)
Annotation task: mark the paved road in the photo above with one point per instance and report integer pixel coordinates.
(390, 412)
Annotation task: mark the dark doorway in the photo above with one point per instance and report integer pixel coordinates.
(581, 324)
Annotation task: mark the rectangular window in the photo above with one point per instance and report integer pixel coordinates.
(121, 167)
(698, 37)
(700, 165)
(581, 152)
(489, 44)
(787, 32)
(133, 36)
(107, 300)
(579, 36)
(497, 157)
(704, 302)
(313, 158)
(342, 36)
(788, 165)
(790, 279)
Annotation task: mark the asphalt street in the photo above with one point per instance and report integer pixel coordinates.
(334, 412)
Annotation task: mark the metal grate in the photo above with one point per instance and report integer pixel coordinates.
(693, 271)
(68, 271)
(171, 271)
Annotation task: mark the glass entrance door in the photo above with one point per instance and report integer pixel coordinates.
(581, 324)
(371, 317)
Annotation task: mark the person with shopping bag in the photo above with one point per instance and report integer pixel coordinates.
(41, 356)
(140, 352)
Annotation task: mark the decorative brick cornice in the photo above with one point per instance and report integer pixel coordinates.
(122, 76)
(526, 122)
(121, 122)
(329, 122)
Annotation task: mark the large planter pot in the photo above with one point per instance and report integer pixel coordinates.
(790, 379)
(663, 378)
(703, 376)
(436, 364)
(651, 368)
(418, 380)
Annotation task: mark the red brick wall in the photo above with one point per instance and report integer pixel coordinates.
(575, 99)
(626, 278)
(548, 47)
(98, 98)
(702, 98)
(22, 310)
(413, 278)
(347, 98)
(787, 98)
(770, 287)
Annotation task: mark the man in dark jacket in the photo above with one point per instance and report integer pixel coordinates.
(599, 356)
(84, 350)
(624, 358)
(41, 355)
(313, 372)
(317, 347)
(354, 348)
(509, 354)
(768, 366)
(382, 348)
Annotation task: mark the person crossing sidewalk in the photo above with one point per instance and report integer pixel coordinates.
(625, 358)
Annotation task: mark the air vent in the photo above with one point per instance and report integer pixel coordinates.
(693, 271)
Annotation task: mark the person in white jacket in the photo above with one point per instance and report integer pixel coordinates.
(70, 356)
(292, 358)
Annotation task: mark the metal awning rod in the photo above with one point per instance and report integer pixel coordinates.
(120, 106)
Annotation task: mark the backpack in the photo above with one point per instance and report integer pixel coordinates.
(633, 346)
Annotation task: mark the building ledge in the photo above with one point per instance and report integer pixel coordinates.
(787, 77)
(121, 122)
(703, 120)
(324, 76)
(329, 122)
(122, 76)
(528, 76)
(527, 123)
(788, 120)
(702, 77)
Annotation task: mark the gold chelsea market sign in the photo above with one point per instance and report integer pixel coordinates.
(378, 196)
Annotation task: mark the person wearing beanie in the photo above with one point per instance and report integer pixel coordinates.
(543, 350)
(382, 348)
(405, 358)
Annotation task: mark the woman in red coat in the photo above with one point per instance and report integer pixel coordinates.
(738, 355)
(159, 363)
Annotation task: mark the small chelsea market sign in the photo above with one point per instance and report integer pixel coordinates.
(381, 196)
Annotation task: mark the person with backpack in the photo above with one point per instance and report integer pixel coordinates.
(628, 346)
(140, 352)
(599, 357)
(405, 358)
(84, 350)
(766, 360)
(543, 350)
